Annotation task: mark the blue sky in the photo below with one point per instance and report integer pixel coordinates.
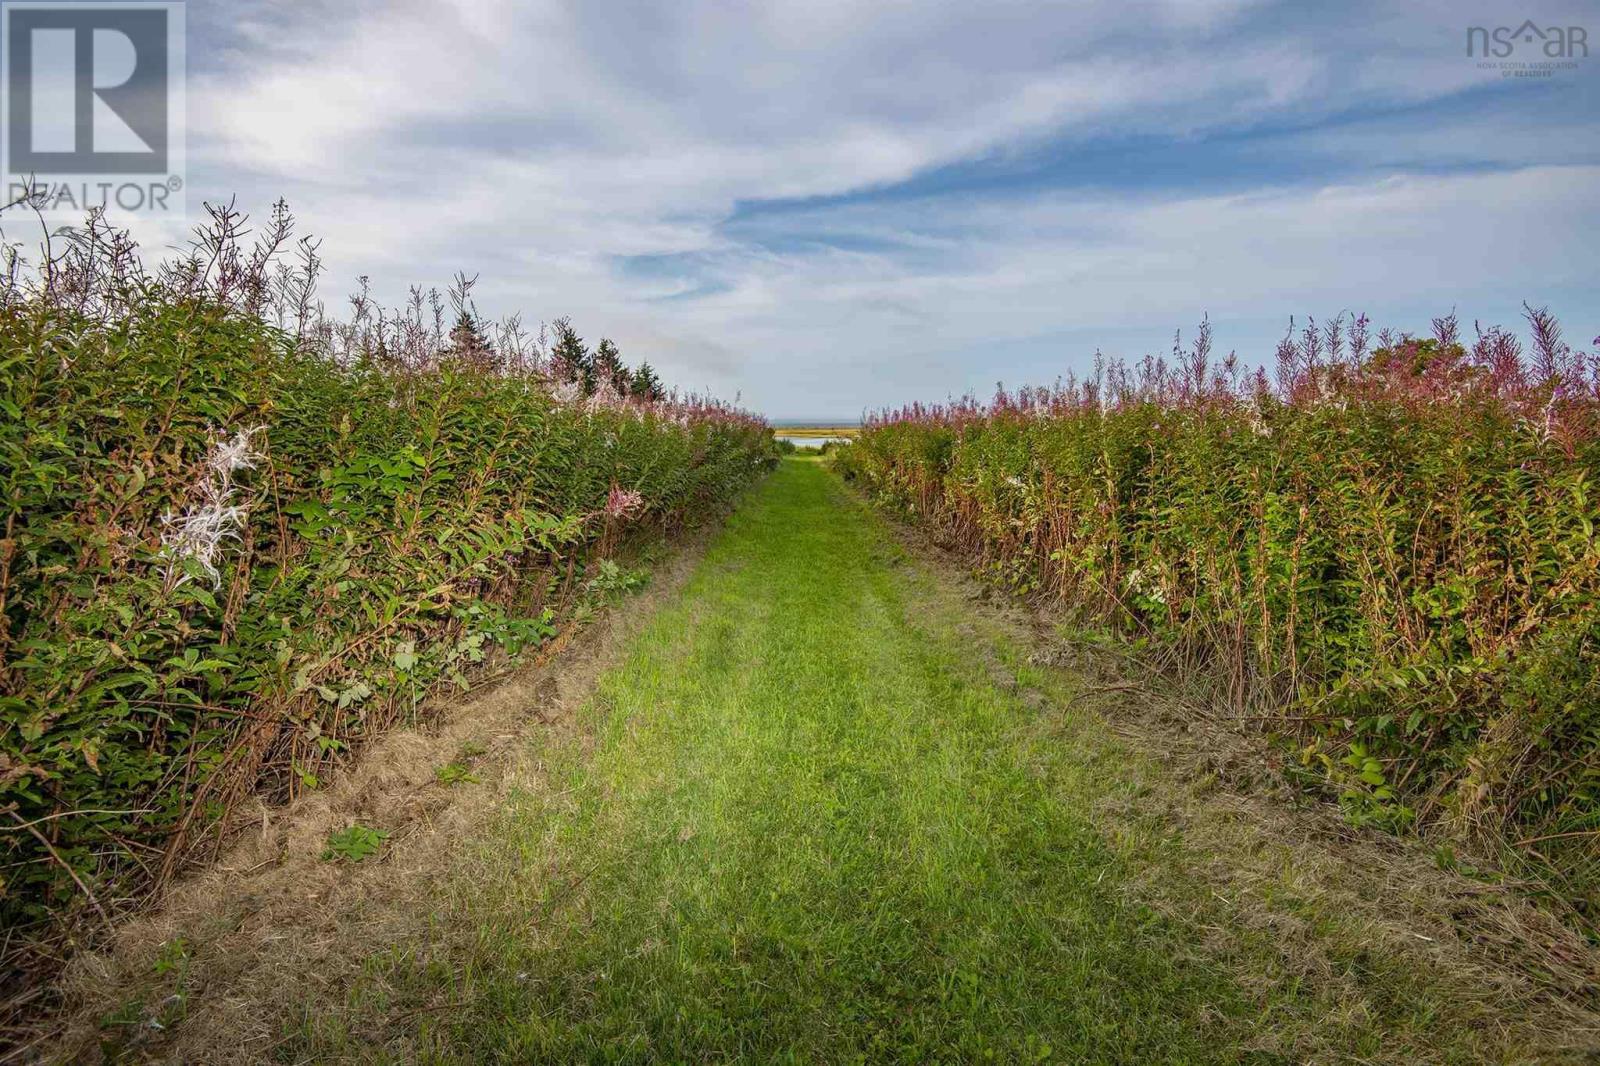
(833, 206)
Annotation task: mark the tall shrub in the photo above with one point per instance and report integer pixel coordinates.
(234, 550)
(1388, 555)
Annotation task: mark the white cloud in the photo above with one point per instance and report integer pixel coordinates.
(543, 143)
(1127, 274)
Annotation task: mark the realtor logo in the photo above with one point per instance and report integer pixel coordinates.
(93, 90)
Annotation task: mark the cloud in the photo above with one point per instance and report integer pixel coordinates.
(820, 204)
(1028, 289)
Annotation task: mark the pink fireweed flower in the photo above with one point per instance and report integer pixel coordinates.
(623, 503)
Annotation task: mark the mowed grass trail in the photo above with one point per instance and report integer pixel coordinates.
(802, 824)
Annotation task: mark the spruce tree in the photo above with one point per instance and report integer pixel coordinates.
(467, 342)
(608, 367)
(571, 359)
(645, 385)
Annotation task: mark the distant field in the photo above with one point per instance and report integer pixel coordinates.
(808, 432)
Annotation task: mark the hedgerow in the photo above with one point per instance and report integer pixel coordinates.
(1386, 555)
(239, 539)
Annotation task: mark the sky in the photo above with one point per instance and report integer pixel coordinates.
(832, 206)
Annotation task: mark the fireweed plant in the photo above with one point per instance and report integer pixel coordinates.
(1383, 554)
(240, 538)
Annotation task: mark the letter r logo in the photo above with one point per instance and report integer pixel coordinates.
(86, 88)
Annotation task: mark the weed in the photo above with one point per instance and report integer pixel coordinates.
(611, 579)
(454, 773)
(238, 539)
(355, 844)
(1387, 554)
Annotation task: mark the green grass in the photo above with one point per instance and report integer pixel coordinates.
(804, 821)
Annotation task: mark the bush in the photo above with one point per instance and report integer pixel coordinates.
(1389, 556)
(234, 552)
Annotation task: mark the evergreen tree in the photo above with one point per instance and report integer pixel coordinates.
(467, 342)
(571, 359)
(645, 385)
(608, 367)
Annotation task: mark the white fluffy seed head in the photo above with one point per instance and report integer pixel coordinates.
(198, 533)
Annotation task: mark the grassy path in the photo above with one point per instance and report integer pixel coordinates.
(804, 823)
